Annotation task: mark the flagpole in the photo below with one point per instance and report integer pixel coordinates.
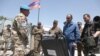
(39, 13)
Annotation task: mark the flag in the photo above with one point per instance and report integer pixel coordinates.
(35, 4)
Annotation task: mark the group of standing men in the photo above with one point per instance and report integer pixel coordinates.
(74, 34)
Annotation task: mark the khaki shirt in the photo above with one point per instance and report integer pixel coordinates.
(38, 33)
(20, 26)
(55, 30)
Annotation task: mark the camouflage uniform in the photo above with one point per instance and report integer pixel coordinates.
(19, 48)
(21, 29)
(20, 33)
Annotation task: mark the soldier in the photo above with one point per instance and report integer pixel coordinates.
(7, 34)
(19, 32)
(38, 31)
(55, 30)
(20, 27)
(20, 24)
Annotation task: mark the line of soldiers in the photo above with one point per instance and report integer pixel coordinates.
(16, 38)
(16, 42)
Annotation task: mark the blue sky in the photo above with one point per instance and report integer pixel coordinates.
(52, 9)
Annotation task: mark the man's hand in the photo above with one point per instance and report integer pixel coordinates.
(96, 34)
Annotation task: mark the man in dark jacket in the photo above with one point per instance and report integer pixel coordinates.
(88, 50)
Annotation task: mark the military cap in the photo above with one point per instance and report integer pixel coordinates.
(25, 7)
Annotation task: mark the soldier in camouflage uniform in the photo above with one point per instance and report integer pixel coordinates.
(20, 30)
(20, 33)
(38, 32)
